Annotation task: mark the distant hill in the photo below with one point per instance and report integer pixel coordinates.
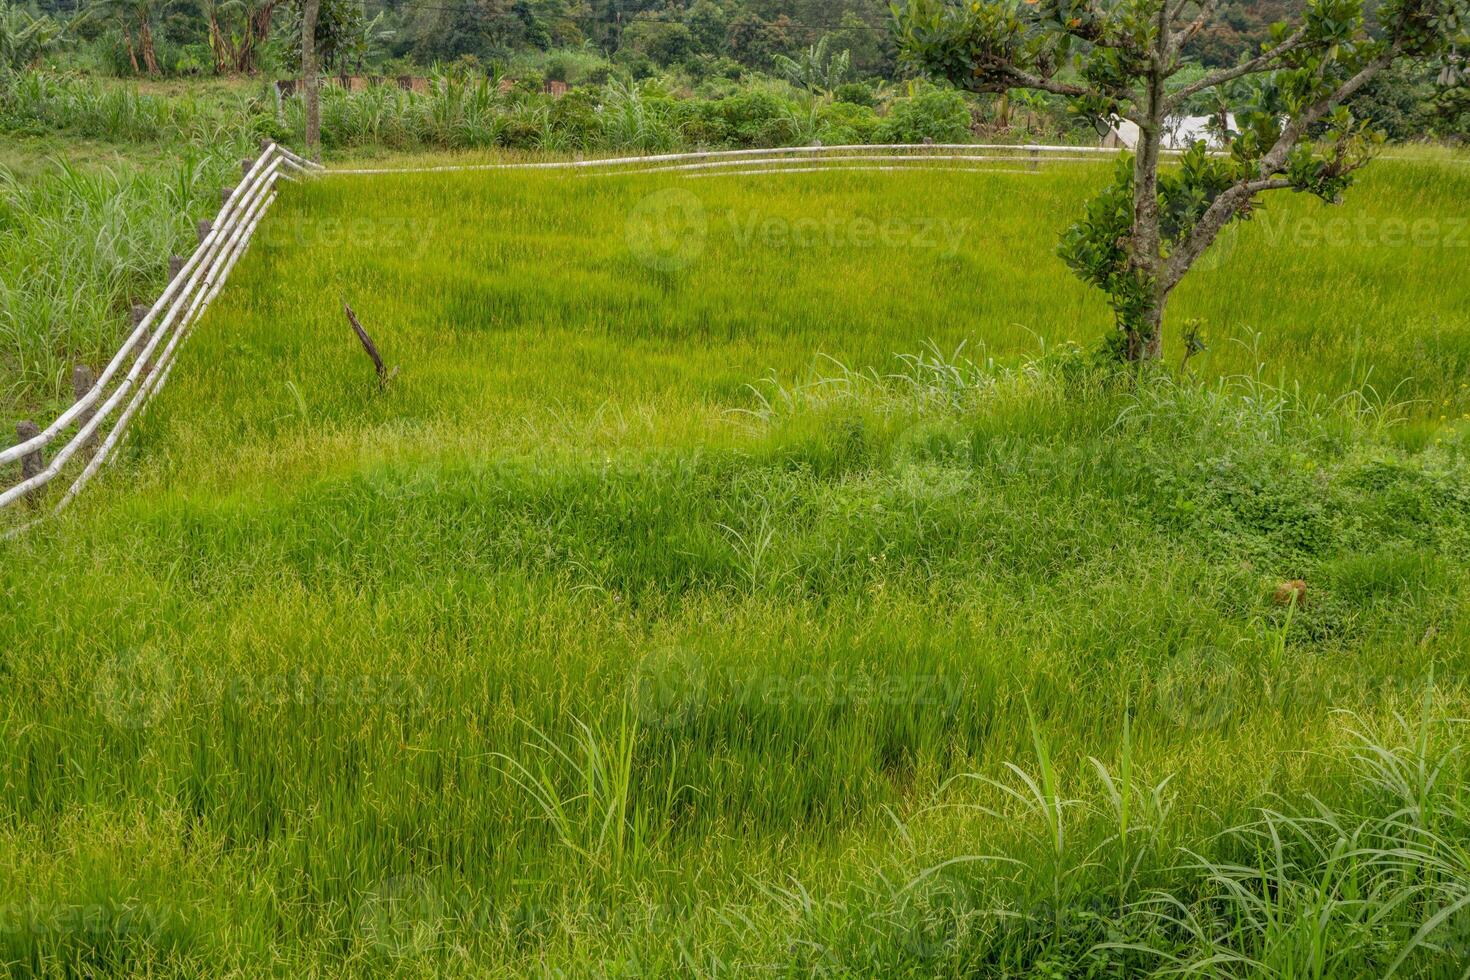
(1240, 26)
(751, 32)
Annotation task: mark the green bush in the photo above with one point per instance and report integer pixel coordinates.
(702, 131)
(635, 118)
(575, 120)
(941, 115)
(855, 93)
(525, 129)
(754, 118)
(702, 67)
(845, 123)
(530, 83)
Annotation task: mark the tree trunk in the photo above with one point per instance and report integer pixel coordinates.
(145, 41)
(132, 51)
(309, 78)
(1143, 331)
(1151, 333)
(257, 32)
(218, 49)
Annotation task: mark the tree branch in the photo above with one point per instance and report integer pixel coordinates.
(1024, 79)
(1259, 63)
(1090, 31)
(1265, 184)
(1207, 10)
(1225, 206)
(1298, 126)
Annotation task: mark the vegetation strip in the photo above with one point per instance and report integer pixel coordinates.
(917, 148)
(779, 162)
(762, 171)
(201, 278)
(205, 271)
(618, 525)
(170, 299)
(167, 360)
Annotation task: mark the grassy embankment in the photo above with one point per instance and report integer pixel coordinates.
(99, 185)
(657, 618)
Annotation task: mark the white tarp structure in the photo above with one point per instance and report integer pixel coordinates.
(1180, 133)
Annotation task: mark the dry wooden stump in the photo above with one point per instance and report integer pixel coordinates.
(384, 374)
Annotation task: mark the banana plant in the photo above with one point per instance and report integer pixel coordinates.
(238, 30)
(135, 20)
(816, 69)
(25, 38)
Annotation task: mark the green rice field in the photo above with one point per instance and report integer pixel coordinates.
(756, 575)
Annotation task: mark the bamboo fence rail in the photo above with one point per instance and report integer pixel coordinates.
(146, 355)
(144, 361)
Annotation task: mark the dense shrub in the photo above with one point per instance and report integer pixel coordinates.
(751, 118)
(575, 121)
(941, 115)
(466, 109)
(846, 123)
(525, 130)
(857, 93)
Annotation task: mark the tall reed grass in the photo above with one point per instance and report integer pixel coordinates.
(658, 620)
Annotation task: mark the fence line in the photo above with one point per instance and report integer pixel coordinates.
(184, 300)
(156, 379)
(917, 151)
(186, 278)
(847, 167)
(156, 337)
(787, 162)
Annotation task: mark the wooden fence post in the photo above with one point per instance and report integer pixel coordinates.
(1035, 160)
(32, 462)
(245, 165)
(175, 266)
(204, 228)
(224, 194)
(82, 380)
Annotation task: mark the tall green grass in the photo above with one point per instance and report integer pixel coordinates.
(82, 241)
(78, 247)
(702, 606)
(34, 103)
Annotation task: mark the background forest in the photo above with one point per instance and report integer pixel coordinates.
(840, 48)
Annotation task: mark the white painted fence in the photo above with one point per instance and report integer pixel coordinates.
(147, 355)
(1020, 153)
